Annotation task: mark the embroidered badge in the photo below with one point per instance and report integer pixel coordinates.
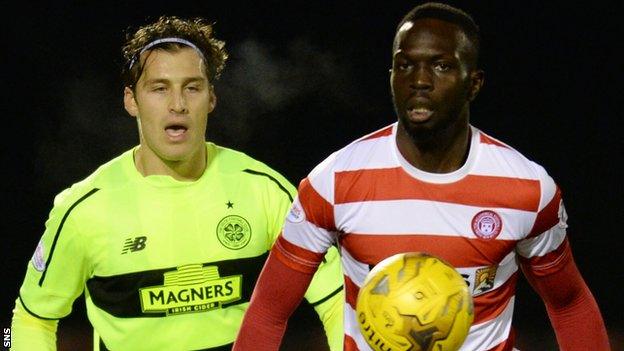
(234, 232)
(38, 259)
(487, 224)
(563, 216)
(296, 213)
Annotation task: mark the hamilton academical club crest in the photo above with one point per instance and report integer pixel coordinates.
(234, 232)
(487, 224)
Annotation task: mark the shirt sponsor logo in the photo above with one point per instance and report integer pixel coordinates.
(191, 289)
(484, 279)
(479, 280)
(487, 224)
(38, 260)
(234, 232)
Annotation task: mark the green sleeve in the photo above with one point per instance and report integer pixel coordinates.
(331, 313)
(326, 294)
(29, 333)
(57, 272)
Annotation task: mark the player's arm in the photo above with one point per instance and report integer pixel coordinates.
(54, 278)
(547, 262)
(293, 260)
(571, 307)
(325, 292)
(30, 333)
(278, 292)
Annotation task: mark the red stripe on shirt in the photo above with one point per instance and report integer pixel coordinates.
(485, 139)
(548, 216)
(318, 210)
(349, 344)
(491, 304)
(380, 133)
(475, 190)
(351, 292)
(458, 251)
(296, 257)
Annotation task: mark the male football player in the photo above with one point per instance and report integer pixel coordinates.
(167, 240)
(432, 182)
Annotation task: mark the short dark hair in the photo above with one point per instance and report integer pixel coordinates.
(196, 31)
(447, 13)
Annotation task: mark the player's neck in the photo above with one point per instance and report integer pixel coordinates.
(190, 169)
(445, 153)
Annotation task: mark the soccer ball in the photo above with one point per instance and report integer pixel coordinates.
(414, 301)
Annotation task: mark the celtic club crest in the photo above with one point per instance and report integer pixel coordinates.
(234, 232)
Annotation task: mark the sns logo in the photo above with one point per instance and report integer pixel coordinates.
(134, 244)
(6, 341)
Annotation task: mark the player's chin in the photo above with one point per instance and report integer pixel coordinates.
(176, 152)
(418, 131)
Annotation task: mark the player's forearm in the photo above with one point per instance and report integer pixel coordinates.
(259, 332)
(579, 326)
(271, 305)
(571, 307)
(30, 333)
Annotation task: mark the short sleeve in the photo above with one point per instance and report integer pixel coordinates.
(57, 271)
(542, 246)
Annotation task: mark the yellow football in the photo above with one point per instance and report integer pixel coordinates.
(414, 301)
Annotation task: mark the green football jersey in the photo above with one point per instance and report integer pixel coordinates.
(164, 264)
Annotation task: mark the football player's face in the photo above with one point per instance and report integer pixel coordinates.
(432, 79)
(171, 102)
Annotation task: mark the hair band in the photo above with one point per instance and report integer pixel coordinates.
(165, 40)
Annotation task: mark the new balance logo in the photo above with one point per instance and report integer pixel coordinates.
(134, 244)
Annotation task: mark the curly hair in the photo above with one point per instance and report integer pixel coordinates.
(196, 30)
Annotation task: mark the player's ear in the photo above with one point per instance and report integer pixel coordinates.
(477, 77)
(213, 99)
(130, 102)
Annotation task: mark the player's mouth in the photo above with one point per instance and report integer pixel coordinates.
(419, 114)
(176, 132)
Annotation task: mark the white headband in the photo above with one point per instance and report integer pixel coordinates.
(165, 40)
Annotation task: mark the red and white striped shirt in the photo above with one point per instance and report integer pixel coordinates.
(497, 209)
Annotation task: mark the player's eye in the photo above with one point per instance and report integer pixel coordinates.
(159, 88)
(403, 66)
(442, 66)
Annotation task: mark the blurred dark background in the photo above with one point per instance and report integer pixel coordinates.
(304, 79)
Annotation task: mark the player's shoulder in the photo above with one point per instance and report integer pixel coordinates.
(499, 158)
(231, 160)
(112, 174)
(236, 163)
(370, 150)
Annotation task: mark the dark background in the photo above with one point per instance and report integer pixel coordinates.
(303, 80)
